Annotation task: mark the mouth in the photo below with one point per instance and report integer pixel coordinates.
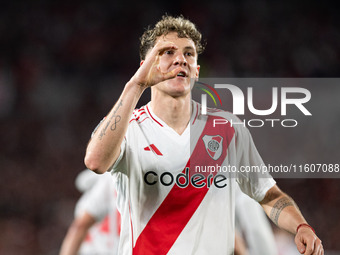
(182, 74)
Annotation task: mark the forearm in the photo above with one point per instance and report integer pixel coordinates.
(75, 236)
(72, 242)
(104, 147)
(282, 210)
(240, 246)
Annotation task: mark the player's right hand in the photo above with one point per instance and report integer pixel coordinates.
(308, 243)
(149, 72)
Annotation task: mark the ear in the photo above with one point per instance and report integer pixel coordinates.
(198, 71)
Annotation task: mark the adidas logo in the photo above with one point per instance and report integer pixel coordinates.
(153, 148)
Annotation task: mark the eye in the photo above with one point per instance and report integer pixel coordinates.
(189, 54)
(169, 52)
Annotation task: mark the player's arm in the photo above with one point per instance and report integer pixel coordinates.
(240, 245)
(283, 211)
(104, 146)
(76, 234)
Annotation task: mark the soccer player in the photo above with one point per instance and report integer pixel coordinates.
(167, 206)
(96, 226)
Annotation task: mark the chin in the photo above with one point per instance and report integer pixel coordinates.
(179, 85)
(174, 88)
(181, 90)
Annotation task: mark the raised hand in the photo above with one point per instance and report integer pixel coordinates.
(149, 73)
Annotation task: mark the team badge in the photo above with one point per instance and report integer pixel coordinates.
(213, 145)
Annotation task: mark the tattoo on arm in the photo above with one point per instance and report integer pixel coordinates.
(281, 204)
(115, 118)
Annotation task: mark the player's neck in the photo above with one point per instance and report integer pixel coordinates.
(175, 112)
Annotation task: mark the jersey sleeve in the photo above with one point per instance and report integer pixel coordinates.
(128, 147)
(120, 163)
(252, 179)
(96, 201)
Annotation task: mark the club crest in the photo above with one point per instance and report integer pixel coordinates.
(213, 145)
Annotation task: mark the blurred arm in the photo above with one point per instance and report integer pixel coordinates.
(76, 234)
(240, 246)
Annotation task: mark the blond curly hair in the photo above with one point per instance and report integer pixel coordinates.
(184, 28)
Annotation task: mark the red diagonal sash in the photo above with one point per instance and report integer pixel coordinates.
(176, 210)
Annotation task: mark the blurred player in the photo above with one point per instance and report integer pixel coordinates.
(95, 228)
(167, 206)
(252, 224)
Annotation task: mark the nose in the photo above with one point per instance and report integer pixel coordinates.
(180, 59)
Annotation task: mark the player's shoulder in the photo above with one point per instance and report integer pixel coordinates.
(139, 115)
(85, 180)
(222, 114)
(215, 112)
(225, 117)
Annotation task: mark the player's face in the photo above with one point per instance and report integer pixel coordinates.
(185, 57)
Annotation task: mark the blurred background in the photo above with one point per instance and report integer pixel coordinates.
(63, 65)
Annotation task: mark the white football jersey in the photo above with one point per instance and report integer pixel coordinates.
(172, 196)
(100, 202)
